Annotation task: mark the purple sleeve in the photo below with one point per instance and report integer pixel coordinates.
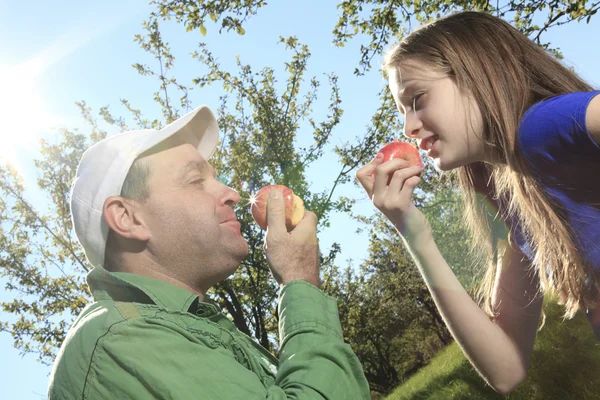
(554, 132)
(564, 158)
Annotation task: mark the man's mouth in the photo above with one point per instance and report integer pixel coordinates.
(229, 219)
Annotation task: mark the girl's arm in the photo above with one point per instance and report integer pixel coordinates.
(500, 349)
(592, 118)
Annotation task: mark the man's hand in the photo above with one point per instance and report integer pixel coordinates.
(292, 255)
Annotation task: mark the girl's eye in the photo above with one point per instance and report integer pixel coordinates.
(416, 104)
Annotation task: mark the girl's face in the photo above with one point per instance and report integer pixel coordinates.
(446, 122)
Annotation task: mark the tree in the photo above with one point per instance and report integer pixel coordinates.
(44, 266)
(40, 256)
(257, 148)
(387, 312)
(379, 21)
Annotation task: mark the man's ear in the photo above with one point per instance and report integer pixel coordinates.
(123, 217)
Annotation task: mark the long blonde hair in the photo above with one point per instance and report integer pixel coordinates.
(506, 73)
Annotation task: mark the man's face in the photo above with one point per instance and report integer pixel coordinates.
(189, 213)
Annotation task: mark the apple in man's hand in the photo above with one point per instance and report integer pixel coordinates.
(294, 206)
(397, 149)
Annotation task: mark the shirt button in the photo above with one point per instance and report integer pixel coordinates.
(201, 312)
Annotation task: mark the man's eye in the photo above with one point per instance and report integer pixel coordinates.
(197, 182)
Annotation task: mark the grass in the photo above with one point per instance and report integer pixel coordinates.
(565, 365)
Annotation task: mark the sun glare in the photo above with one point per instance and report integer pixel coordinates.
(23, 116)
(251, 200)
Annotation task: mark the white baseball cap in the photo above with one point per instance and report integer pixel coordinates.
(104, 167)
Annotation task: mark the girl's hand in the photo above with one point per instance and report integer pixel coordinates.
(395, 199)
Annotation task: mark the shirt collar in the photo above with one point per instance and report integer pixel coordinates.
(122, 286)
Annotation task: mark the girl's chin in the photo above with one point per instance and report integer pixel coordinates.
(440, 164)
(445, 165)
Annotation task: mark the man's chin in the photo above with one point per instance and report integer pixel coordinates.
(241, 250)
(244, 253)
(231, 265)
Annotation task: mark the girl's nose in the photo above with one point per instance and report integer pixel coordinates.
(412, 125)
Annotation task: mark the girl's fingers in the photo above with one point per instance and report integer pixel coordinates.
(365, 175)
(399, 178)
(375, 177)
(406, 194)
(398, 195)
(382, 174)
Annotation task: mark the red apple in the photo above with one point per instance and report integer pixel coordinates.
(294, 206)
(397, 149)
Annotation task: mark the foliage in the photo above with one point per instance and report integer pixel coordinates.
(231, 14)
(258, 147)
(386, 311)
(564, 362)
(41, 259)
(381, 21)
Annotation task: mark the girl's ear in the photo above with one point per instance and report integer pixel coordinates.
(124, 218)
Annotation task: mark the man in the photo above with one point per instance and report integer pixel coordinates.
(160, 230)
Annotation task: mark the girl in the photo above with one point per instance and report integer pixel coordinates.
(522, 132)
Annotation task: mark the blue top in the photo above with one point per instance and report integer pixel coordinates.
(560, 151)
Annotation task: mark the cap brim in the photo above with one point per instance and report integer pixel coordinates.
(199, 127)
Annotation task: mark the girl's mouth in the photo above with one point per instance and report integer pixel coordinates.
(427, 143)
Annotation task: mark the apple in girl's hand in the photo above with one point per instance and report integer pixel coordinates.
(294, 206)
(397, 149)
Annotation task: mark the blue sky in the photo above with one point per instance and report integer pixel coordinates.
(55, 53)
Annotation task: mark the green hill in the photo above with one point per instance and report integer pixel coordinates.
(565, 365)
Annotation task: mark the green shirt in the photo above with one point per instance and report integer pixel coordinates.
(143, 338)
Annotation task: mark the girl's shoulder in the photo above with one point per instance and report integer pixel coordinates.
(556, 125)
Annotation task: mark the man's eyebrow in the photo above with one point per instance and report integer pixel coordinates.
(200, 166)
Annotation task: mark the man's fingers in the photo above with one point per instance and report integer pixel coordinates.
(275, 213)
(308, 223)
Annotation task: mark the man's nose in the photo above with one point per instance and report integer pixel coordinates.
(230, 196)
